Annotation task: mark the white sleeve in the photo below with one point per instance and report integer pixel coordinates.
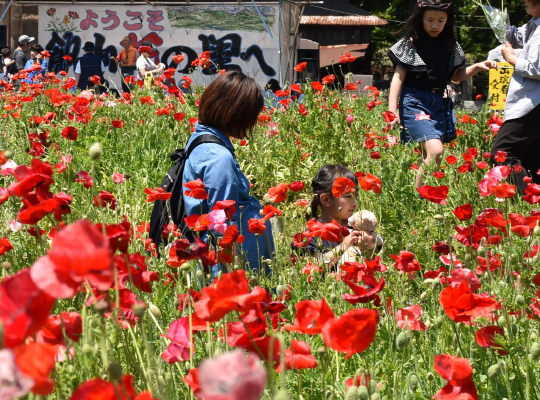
(78, 67)
(102, 67)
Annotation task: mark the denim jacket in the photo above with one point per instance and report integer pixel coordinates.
(220, 172)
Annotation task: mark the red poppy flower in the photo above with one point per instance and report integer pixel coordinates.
(406, 263)
(463, 212)
(298, 356)
(228, 293)
(156, 194)
(409, 318)
(36, 361)
(389, 116)
(69, 263)
(84, 178)
(347, 58)
(370, 182)
(332, 231)
(230, 236)
(316, 85)
(296, 186)
(435, 194)
(270, 211)
(98, 388)
(351, 333)
(178, 58)
(104, 199)
(458, 372)
(351, 86)
(462, 305)
(278, 193)
(328, 79)
(24, 308)
(343, 185)
(179, 334)
(301, 67)
(311, 316)
(229, 206)
(257, 226)
(5, 245)
(504, 190)
(196, 189)
(4, 194)
(117, 123)
(96, 80)
(500, 156)
(67, 58)
(363, 295)
(487, 337)
(56, 325)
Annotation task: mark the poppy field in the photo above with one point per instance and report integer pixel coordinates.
(449, 309)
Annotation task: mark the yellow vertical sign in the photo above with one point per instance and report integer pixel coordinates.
(499, 79)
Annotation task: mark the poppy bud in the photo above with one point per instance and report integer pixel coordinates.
(168, 376)
(279, 289)
(501, 322)
(372, 387)
(154, 310)
(535, 351)
(161, 381)
(533, 335)
(493, 371)
(95, 151)
(281, 395)
(520, 299)
(412, 383)
(115, 371)
(101, 306)
(8, 154)
(333, 297)
(536, 229)
(467, 258)
(438, 217)
(352, 393)
(403, 340)
(6, 265)
(321, 350)
(430, 376)
(200, 274)
(170, 238)
(437, 322)
(139, 309)
(375, 396)
(185, 266)
(423, 295)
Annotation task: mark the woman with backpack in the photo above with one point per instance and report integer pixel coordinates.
(229, 107)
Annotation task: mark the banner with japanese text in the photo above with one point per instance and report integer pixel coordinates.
(236, 36)
(499, 80)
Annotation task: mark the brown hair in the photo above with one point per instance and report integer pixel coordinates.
(232, 104)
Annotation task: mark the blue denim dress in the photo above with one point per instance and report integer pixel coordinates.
(220, 172)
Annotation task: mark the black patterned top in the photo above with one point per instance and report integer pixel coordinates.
(428, 67)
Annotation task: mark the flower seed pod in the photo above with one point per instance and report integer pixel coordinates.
(95, 151)
(8, 154)
(115, 371)
(520, 299)
(6, 265)
(281, 395)
(352, 393)
(139, 309)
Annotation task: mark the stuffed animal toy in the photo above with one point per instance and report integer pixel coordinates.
(366, 221)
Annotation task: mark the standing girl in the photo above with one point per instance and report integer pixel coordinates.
(426, 58)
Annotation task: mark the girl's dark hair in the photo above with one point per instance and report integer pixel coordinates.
(323, 182)
(232, 104)
(414, 27)
(5, 52)
(36, 47)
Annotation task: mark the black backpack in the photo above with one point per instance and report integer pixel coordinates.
(173, 210)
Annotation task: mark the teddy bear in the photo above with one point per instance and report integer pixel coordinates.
(366, 221)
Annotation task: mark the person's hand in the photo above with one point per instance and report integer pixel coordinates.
(509, 53)
(394, 123)
(366, 241)
(487, 65)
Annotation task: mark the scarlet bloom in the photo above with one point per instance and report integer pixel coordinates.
(458, 372)
(98, 388)
(157, 194)
(179, 334)
(370, 182)
(230, 236)
(487, 337)
(351, 333)
(301, 67)
(406, 263)
(37, 360)
(343, 185)
(311, 316)
(504, 190)
(435, 194)
(316, 85)
(296, 186)
(409, 318)
(332, 231)
(84, 178)
(70, 133)
(5, 245)
(56, 325)
(363, 295)
(351, 86)
(389, 116)
(462, 305)
(278, 193)
(96, 80)
(104, 199)
(347, 58)
(257, 226)
(270, 211)
(228, 293)
(177, 59)
(328, 79)
(196, 189)
(463, 212)
(71, 262)
(117, 123)
(298, 356)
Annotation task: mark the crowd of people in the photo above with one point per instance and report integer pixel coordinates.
(426, 59)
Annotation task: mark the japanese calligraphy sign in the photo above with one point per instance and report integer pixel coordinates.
(499, 79)
(235, 35)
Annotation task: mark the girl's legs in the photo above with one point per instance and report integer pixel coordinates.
(431, 150)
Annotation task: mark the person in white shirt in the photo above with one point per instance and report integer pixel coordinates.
(146, 67)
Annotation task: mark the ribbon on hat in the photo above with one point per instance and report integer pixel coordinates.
(431, 4)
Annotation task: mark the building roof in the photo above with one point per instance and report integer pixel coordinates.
(339, 12)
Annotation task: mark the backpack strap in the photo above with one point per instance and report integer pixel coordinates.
(206, 138)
